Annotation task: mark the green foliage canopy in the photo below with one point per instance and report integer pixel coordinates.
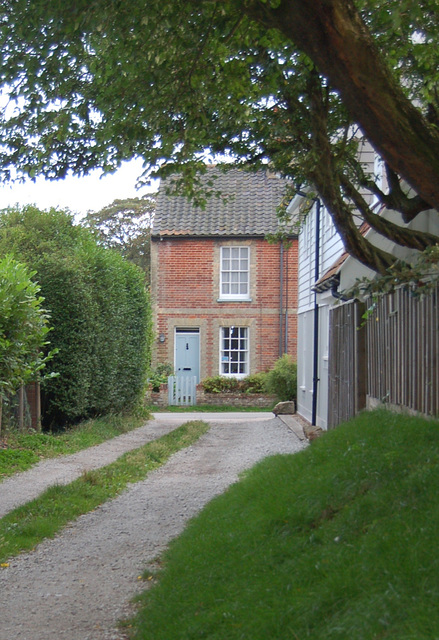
(280, 81)
(125, 225)
(99, 310)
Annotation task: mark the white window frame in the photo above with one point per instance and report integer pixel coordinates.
(234, 352)
(235, 273)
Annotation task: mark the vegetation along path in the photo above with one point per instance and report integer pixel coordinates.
(28, 485)
(78, 585)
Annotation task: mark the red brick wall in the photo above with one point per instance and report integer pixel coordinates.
(185, 291)
(185, 270)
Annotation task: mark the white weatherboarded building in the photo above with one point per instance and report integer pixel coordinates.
(319, 248)
(324, 272)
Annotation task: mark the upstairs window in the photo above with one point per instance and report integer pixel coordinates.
(235, 273)
(234, 351)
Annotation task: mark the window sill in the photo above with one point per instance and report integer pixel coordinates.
(234, 300)
(237, 376)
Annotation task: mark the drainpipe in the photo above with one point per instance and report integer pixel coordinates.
(315, 378)
(281, 299)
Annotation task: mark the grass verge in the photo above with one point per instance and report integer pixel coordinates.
(338, 541)
(26, 526)
(23, 450)
(210, 408)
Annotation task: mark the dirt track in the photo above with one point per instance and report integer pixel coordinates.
(79, 585)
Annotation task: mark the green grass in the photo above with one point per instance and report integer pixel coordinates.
(209, 408)
(26, 449)
(338, 542)
(26, 526)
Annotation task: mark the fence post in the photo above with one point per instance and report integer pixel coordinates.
(361, 357)
(171, 390)
(347, 362)
(21, 408)
(38, 405)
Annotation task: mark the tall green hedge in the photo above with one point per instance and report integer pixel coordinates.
(100, 313)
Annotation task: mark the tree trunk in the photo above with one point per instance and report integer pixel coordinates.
(333, 35)
(327, 182)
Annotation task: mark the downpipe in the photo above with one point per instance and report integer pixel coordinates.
(315, 378)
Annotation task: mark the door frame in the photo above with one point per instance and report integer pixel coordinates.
(188, 331)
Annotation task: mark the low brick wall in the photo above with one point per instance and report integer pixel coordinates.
(157, 398)
(160, 398)
(235, 399)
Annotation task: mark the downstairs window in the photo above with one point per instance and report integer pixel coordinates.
(234, 351)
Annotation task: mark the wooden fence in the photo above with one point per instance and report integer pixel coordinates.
(22, 410)
(347, 382)
(182, 390)
(402, 345)
(391, 358)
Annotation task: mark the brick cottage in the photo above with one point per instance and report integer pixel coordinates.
(224, 298)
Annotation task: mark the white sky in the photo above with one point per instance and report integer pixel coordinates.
(80, 195)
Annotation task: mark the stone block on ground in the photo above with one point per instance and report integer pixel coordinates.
(284, 408)
(311, 432)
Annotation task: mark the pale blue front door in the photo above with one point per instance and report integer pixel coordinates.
(187, 353)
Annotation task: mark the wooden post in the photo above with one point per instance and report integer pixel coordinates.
(360, 358)
(21, 408)
(38, 405)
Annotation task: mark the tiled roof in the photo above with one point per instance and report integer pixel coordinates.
(248, 209)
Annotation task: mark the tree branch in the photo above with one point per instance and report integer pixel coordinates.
(333, 35)
(410, 238)
(325, 179)
(398, 200)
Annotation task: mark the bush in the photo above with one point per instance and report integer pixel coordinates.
(220, 384)
(99, 310)
(23, 330)
(282, 379)
(254, 383)
(160, 375)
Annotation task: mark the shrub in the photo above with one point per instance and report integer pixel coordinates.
(23, 328)
(282, 379)
(160, 375)
(254, 383)
(220, 384)
(99, 310)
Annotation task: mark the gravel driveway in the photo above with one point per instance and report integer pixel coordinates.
(77, 586)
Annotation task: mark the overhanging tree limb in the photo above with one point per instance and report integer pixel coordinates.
(106, 81)
(409, 206)
(333, 34)
(326, 179)
(410, 238)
